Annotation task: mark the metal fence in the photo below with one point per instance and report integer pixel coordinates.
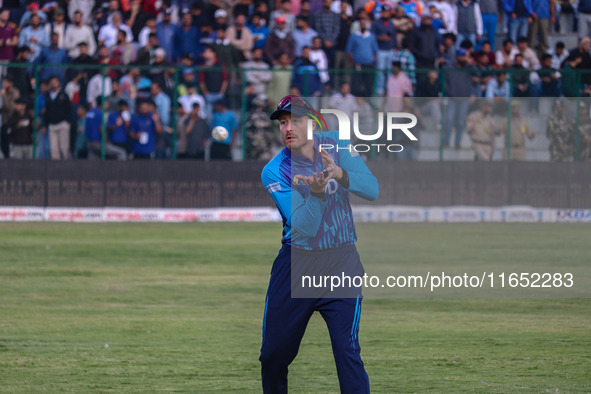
(197, 184)
(242, 90)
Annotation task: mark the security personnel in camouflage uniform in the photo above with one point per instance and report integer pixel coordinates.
(519, 130)
(585, 130)
(560, 131)
(481, 127)
(259, 135)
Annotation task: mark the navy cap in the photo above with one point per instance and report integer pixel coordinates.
(294, 105)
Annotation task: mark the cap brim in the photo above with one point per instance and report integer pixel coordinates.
(275, 115)
(294, 110)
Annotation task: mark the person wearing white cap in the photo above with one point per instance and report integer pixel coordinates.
(221, 18)
(160, 52)
(220, 13)
(108, 33)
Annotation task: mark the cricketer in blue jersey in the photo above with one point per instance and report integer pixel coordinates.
(311, 188)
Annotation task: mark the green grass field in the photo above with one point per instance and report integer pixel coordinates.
(162, 307)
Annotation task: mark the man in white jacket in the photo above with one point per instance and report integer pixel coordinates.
(77, 33)
(95, 88)
(108, 33)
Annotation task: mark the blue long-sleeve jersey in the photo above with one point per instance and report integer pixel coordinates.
(509, 6)
(309, 222)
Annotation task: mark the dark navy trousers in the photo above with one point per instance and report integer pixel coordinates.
(285, 320)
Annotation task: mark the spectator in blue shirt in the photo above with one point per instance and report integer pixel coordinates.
(520, 12)
(162, 101)
(305, 75)
(498, 87)
(35, 37)
(92, 126)
(43, 146)
(225, 118)
(118, 125)
(143, 130)
(166, 31)
(80, 151)
(362, 46)
(53, 55)
(362, 50)
(93, 130)
(302, 35)
(188, 39)
(259, 31)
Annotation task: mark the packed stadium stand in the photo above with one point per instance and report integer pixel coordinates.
(149, 79)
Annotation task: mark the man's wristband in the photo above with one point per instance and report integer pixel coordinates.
(320, 196)
(344, 181)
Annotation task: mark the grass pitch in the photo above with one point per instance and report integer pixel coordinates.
(163, 307)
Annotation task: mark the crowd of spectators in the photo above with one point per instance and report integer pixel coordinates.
(99, 96)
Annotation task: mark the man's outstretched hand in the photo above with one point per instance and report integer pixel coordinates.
(318, 181)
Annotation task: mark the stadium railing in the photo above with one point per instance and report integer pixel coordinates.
(239, 100)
